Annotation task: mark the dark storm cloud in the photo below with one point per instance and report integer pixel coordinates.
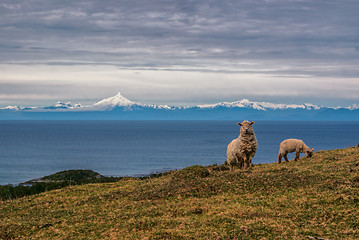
(224, 30)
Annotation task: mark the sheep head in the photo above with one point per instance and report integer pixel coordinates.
(309, 153)
(246, 127)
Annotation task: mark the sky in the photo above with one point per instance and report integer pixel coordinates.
(179, 52)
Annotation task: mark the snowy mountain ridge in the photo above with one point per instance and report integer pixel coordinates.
(62, 105)
(119, 101)
(245, 103)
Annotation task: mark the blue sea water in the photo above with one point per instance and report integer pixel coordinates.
(32, 149)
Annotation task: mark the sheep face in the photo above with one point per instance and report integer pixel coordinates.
(246, 128)
(309, 153)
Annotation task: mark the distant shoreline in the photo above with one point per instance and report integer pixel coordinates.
(45, 180)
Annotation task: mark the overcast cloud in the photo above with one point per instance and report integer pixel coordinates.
(180, 52)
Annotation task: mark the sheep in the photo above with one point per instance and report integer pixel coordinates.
(293, 145)
(242, 149)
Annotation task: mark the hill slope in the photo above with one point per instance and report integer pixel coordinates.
(315, 198)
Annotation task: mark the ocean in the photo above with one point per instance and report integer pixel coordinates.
(33, 149)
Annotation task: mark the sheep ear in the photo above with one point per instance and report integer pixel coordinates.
(312, 149)
(240, 124)
(252, 123)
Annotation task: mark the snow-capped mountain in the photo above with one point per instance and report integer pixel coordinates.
(245, 103)
(113, 102)
(62, 105)
(119, 101)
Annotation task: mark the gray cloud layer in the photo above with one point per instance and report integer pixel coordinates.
(273, 38)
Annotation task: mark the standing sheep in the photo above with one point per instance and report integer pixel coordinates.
(242, 149)
(293, 145)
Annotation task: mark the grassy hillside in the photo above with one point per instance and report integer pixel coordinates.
(315, 198)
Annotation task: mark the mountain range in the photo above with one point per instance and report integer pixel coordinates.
(120, 108)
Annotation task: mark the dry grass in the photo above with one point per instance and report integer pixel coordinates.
(311, 198)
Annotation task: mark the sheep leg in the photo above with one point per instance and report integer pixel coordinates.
(279, 158)
(241, 164)
(230, 162)
(231, 167)
(239, 160)
(250, 162)
(286, 158)
(246, 163)
(296, 156)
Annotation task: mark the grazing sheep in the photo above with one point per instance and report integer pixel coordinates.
(242, 149)
(293, 145)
